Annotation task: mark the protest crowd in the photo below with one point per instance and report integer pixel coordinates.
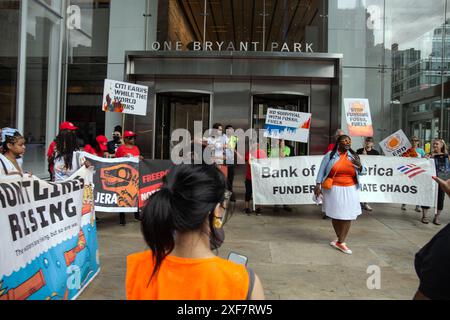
(182, 222)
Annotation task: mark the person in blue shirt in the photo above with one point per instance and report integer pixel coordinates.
(416, 144)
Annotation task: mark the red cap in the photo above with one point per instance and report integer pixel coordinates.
(67, 126)
(128, 134)
(102, 142)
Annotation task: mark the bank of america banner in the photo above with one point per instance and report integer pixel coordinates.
(287, 125)
(151, 173)
(116, 183)
(388, 180)
(48, 237)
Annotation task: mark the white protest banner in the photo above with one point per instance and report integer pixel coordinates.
(388, 180)
(359, 121)
(396, 144)
(287, 125)
(48, 237)
(123, 97)
(399, 180)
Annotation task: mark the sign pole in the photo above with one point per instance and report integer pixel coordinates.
(123, 124)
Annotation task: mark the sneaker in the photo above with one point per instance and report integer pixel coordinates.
(418, 209)
(341, 247)
(367, 207)
(258, 211)
(404, 207)
(247, 212)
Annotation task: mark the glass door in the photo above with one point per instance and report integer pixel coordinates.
(289, 102)
(178, 110)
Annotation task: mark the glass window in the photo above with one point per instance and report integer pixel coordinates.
(356, 30)
(55, 4)
(414, 44)
(241, 25)
(42, 63)
(9, 52)
(87, 67)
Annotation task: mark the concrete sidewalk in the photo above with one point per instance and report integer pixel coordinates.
(291, 254)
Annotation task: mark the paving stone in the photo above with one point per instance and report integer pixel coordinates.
(291, 254)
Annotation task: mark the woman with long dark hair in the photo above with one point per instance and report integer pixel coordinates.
(338, 181)
(67, 159)
(178, 225)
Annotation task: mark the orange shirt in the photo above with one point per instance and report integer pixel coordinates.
(345, 175)
(185, 279)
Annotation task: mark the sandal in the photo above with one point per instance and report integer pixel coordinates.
(425, 220)
(436, 221)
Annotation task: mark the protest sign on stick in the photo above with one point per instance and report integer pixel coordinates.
(396, 144)
(287, 125)
(123, 97)
(359, 120)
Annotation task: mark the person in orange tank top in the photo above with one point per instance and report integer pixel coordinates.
(338, 182)
(178, 225)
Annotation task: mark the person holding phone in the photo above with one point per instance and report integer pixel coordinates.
(441, 160)
(338, 182)
(178, 224)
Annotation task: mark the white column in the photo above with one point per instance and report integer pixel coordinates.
(22, 67)
(127, 32)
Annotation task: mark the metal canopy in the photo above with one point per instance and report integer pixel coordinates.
(231, 64)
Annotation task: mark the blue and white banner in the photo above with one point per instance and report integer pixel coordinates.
(287, 125)
(48, 237)
(388, 180)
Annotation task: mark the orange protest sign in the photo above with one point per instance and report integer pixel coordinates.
(359, 121)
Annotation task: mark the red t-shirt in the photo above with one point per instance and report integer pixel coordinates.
(89, 149)
(51, 149)
(125, 151)
(258, 154)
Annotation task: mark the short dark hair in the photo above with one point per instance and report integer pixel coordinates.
(118, 128)
(369, 139)
(217, 125)
(229, 126)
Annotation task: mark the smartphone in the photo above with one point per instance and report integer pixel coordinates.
(238, 258)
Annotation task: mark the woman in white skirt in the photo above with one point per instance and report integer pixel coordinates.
(338, 182)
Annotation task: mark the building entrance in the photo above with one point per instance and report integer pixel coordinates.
(178, 110)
